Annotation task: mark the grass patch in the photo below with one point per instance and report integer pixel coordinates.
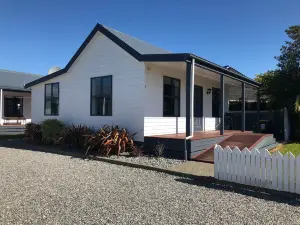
(293, 147)
(14, 136)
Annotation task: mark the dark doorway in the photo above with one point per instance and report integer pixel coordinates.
(198, 101)
(13, 107)
(216, 102)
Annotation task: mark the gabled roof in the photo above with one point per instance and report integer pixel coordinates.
(140, 46)
(12, 80)
(144, 52)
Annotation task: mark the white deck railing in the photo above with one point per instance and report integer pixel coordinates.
(174, 125)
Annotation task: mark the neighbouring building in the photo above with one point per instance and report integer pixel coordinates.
(15, 100)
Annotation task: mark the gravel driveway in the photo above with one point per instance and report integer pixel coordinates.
(44, 188)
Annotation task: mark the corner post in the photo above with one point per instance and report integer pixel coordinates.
(222, 104)
(187, 106)
(258, 107)
(1, 106)
(192, 95)
(243, 107)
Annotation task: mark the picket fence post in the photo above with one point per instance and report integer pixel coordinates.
(292, 180)
(298, 174)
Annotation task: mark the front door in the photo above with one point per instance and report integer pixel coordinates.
(216, 102)
(198, 101)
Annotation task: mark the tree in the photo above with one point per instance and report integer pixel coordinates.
(282, 86)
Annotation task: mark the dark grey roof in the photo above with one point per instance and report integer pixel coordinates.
(234, 70)
(12, 80)
(139, 45)
(143, 52)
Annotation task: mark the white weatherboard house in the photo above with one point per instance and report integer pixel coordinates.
(114, 78)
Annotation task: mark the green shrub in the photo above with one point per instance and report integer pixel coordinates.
(74, 136)
(109, 140)
(159, 149)
(33, 133)
(136, 151)
(51, 130)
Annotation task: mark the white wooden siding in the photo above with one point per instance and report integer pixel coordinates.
(100, 58)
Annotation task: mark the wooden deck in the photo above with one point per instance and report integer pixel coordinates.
(200, 147)
(198, 135)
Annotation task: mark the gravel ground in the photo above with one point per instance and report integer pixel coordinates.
(44, 188)
(150, 161)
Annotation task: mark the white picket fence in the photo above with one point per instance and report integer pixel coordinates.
(258, 168)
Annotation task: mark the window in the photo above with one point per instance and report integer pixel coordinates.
(171, 97)
(101, 96)
(198, 101)
(51, 99)
(13, 106)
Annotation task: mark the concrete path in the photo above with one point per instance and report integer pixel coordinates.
(195, 168)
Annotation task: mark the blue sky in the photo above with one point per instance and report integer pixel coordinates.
(36, 35)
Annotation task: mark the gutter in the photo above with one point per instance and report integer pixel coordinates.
(219, 69)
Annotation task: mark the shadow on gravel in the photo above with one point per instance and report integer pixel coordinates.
(261, 193)
(21, 145)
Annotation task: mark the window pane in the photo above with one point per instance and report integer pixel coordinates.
(198, 91)
(106, 86)
(96, 86)
(176, 107)
(55, 90)
(108, 107)
(167, 86)
(176, 87)
(48, 106)
(54, 106)
(96, 106)
(168, 106)
(48, 90)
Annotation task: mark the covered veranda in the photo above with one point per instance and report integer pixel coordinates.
(186, 136)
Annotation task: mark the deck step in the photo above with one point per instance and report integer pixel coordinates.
(12, 130)
(251, 141)
(269, 147)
